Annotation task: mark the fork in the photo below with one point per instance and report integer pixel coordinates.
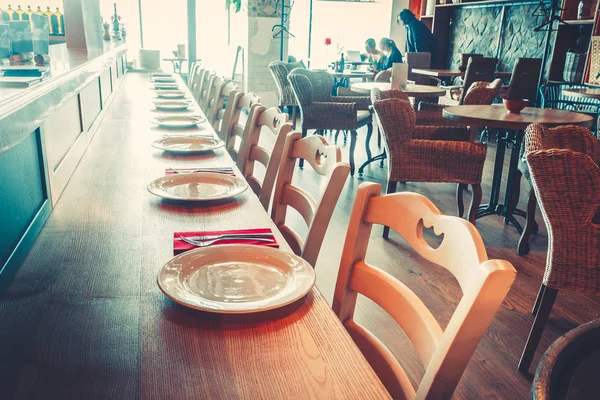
(217, 238)
(224, 170)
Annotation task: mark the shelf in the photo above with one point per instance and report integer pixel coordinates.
(426, 16)
(579, 21)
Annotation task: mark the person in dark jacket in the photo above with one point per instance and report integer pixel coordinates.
(391, 55)
(418, 36)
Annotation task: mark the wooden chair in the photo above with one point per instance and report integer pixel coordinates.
(211, 93)
(196, 82)
(326, 160)
(429, 153)
(237, 113)
(524, 79)
(192, 75)
(270, 120)
(484, 283)
(207, 80)
(215, 112)
(565, 175)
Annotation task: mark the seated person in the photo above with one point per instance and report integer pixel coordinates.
(391, 55)
(371, 54)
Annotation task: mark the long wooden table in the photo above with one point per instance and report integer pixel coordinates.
(84, 317)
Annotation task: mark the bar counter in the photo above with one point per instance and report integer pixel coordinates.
(85, 318)
(44, 131)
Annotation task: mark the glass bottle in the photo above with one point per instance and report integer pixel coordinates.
(29, 12)
(60, 22)
(4, 15)
(51, 26)
(39, 11)
(18, 15)
(10, 12)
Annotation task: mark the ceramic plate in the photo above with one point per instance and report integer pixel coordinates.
(187, 144)
(166, 86)
(178, 122)
(199, 186)
(161, 75)
(235, 279)
(172, 105)
(163, 79)
(170, 94)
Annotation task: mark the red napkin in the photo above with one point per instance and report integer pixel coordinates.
(179, 246)
(170, 172)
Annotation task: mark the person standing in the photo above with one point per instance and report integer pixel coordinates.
(418, 36)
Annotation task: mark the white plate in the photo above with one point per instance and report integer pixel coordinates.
(178, 121)
(161, 75)
(163, 79)
(235, 279)
(166, 86)
(187, 144)
(172, 105)
(199, 186)
(170, 94)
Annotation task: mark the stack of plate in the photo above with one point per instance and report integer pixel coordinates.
(149, 59)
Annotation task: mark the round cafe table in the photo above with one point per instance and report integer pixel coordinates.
(410, 89)
(512, 128)
(588, 93)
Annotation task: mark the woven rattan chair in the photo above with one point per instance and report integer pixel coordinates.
(566, 178)
(429, 153)
(383, 76)
(444, 353)
(280, 71)
(574, 138)
(322, 111)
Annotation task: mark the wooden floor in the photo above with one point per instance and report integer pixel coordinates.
(492, 371)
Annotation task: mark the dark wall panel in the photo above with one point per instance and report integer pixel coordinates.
(22, 192)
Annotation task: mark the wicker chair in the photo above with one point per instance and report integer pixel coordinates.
(553, 97)
(574, 138)
(479, 69)
(567, 185)
(280, 71)
(383, 76)
(322, 111)
(429, 154)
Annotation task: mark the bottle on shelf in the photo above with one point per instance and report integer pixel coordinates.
(10, 12)
(49, 14)
(59, 20)
(27, 16)
(4, 15)
(18, 15)
(580, 10)
(342, 64)
(115, 22)
(39, 11)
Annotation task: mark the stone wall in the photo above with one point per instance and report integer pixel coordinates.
(478, 30)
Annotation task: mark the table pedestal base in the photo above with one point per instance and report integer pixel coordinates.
(509, 209)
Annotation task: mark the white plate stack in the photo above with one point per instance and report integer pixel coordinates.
(149, 59)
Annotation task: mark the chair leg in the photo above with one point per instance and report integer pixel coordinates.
(294, 116)
(378, 138)
(391, 188)
(539, 323)
(475, 202)
(460, 188)
(368, 140)
(523, 247)
(353, 137)
(301, 162)
(538, 299)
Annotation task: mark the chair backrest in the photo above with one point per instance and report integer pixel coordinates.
(326, 160)
(377, 95)
(383, 76)
(484, 284)
(482, 93)
(418, 60)
(211, 96)
(480, 69)
(464, 60)
(524, 79)
(310, 86)
(192, 74)
(196, 82)
(215, 112)
(237, 113)
(207, 80)
(263, 120)
(563, 164)
(280, 71)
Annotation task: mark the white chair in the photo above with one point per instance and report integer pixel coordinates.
(326, 160)
(216, 99)
(202, 93)
(237, 113)
(484, 283)
(263, 120)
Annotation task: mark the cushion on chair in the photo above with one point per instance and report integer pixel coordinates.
(362, 115)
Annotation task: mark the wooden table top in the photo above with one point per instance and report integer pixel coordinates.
(85, 318)
(350, 74)
(585, 93)
(496, 116)
(447, 73)
(410, 89)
